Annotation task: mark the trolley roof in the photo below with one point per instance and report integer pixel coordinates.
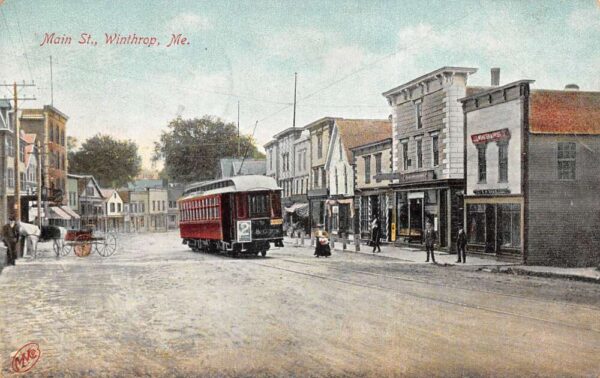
(248, 183)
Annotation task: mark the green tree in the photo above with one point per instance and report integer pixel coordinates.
(191, 148)
(114, 163)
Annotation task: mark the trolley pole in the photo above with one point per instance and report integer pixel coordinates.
(39, 183)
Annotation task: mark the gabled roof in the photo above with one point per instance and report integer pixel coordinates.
(564, 112)
(29, 146)
(229, 167)
(106, 193)
(124, 194)
(356, 132)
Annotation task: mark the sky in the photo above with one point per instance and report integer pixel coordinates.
(346, 53)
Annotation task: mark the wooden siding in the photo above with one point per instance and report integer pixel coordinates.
(563, 216)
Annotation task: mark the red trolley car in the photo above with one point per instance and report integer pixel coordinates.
(240, 214)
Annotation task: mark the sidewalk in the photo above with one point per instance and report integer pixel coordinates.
(408, 254)
(418, 256)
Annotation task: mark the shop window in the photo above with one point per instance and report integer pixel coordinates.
(364, 215)
(367, 169)
(476, 219)
(402, 211)
(335, 217)
(503, 162)
(509, 225)
(566, 160)
(481, 162)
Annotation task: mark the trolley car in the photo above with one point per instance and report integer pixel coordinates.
(236, 215)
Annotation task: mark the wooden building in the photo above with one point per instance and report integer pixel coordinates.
(533, 174)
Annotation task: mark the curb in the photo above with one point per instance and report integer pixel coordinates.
(525, 272)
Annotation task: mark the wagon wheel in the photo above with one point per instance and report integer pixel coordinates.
(106, 245)
(82, 245)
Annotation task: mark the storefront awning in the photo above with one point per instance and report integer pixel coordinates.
(70, 211)
(295, 207)
(57, 213)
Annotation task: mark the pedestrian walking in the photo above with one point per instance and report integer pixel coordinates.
(461, 245)
(376, 235)
(10, 236)
(429, 238)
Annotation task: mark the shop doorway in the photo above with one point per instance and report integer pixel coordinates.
(416, 217)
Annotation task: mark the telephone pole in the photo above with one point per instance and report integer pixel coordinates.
(238, 125)
(295, 84)
(17, 144)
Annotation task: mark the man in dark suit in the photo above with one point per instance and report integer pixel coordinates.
(10, 235)
(461, 245)
(429, 237)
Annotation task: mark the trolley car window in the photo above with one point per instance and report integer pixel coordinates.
(259, 205)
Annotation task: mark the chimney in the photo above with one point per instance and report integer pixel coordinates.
(571, 87)
(495, 76)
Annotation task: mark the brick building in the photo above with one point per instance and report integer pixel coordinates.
(533, 174)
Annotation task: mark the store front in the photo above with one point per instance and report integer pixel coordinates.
(341, 214)
(440, 206)
(371, 205)
(317, 213)
(494, 226)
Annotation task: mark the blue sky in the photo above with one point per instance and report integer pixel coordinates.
(345, 52)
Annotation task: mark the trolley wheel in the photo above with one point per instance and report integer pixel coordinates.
(263, 253)
(82, 245)
(107, 245)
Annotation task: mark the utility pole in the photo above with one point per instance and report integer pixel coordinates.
(238, 125)
(295, 85)
(39, 182)
(51, 84)
(17, 144)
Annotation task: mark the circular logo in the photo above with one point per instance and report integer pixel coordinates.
(26, 358)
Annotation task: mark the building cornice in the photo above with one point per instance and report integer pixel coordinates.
(438, 74)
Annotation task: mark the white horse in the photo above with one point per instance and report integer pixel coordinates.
(31, 233)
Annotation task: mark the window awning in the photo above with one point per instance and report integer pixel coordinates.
(301, 209)
(57, 213)
(70, 211)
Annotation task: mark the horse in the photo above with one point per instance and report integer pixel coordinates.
(30, 233)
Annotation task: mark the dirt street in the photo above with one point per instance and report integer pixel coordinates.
(157, 309)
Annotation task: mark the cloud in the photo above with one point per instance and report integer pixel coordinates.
(189, 23)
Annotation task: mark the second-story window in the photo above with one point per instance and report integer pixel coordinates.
(435, 150)
(481, 162)
(377, 166)
(566, 160)
(319, 145)
(367, 169)
(22, 150)
(323, 178)
(316, 177)
(418, 113)
(405, 162)
(502, 162)
(271, 159)
(419, 153)
(112, 207)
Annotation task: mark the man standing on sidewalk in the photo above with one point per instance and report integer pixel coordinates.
(10, 235)
(461, 245)
(430, 238)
